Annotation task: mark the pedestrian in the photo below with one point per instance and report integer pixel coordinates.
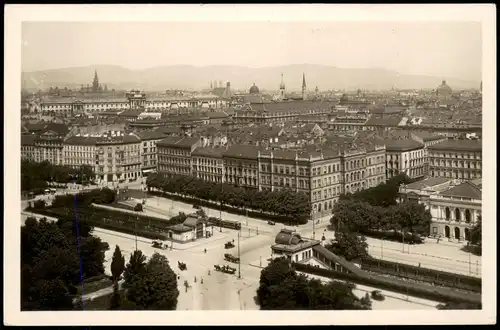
(438, 240)
(419, 265)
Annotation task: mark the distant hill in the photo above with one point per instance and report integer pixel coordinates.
(191, 77)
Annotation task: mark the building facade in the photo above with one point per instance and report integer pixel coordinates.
(456, 159)
(149, 150)
(174, 154)
(208, 165)
(405, 156)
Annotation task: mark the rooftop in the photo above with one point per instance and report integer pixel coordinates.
(242, 151)
(184, 142)
(209, 152)
(458, 145)
(150, 135)
(466, 190)
(402, 145)
(427, 183)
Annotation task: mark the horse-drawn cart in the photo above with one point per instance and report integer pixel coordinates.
(225, 269)
(159, 245)
(231, 258)
(229, 245)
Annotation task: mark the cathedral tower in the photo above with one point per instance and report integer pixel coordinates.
(282, 88)
(95, 83)
(304, 86)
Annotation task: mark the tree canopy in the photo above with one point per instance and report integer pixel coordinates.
(52, 266)
(151, 285)
(283, 202)
(282, 288)
(349, 245)
(35, 175)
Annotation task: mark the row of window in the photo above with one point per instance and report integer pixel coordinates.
(455, 155)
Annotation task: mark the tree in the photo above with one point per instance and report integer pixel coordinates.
(476, 233)
(412, 217)
(155, 287)
(117, 264)
(349, 245)
(117, 267)
(134, 269)
(281, 288)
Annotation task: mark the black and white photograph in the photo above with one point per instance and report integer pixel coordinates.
(249, 164)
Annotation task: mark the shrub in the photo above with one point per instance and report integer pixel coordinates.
(377, 295)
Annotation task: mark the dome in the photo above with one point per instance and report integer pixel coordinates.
(254, 89)
(287, 237)
(444, 89)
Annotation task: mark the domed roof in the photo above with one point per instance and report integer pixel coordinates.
(443, 88)
(254, 89)
(287, 237)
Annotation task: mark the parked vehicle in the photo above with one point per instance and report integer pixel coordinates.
(272, 223)
(159, 245)
(229, 245)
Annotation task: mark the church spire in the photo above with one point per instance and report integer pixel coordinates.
(95, 83)
(304, 86)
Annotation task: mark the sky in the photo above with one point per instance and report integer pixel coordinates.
(451, 49)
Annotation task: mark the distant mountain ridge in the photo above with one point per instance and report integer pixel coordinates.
(242, 78)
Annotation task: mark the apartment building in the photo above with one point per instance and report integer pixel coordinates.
(457, 159)
(375, 166)
(28, 147)
(208, 165)
(175, 154)
(405, 156)
(241, 165)
(149, 152)
(80, 150)
(118, 158)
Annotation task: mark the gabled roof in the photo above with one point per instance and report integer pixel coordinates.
(466, 190)
(209, 152)
(150, 135)
(191, 222)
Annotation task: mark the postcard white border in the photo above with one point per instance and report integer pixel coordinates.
(15, 14)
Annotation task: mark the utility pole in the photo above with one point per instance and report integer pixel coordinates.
(239, 257)
(220, 208)
(314, 227)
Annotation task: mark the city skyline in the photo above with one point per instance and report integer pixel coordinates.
(443, 49)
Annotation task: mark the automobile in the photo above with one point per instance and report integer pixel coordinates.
(197, 207)
(272, 223)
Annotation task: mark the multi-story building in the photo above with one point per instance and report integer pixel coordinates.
(28, 147)
(454, 206)
(354, 170)
(174, 154)
(241, 164)
(207, 164)
(457, 159)
(80, 150)
(49, 147)
(149, 152)
(375, 166)
(118, 158)
(405, 156)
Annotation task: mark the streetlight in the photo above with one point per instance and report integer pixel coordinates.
(239, 257)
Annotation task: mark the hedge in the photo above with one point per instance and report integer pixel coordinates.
(414, 289)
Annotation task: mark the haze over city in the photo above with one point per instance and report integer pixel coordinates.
(442, 49)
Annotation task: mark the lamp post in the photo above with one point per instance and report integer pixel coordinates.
(239, 257)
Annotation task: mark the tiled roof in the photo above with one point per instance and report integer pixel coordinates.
(28, 140)
(458, 145)
(150, 135)
(215, 115)
(209, 152)
(298, 106)
(180, 228)
(81, 141)
(169, 130)
(466, 189)
(402, 145)
(385, 120)
(426, 137)
(427, 183)
(131, 113)
(191, 222)
(122, 139)
(185, 142)
(242, 151)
